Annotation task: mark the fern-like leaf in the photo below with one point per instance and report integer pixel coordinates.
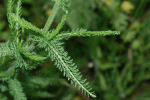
(25, 24)
(16, 89)
(18, 14)
(31, 55)
(65, 64)
(18, 8)
(9, 11)
(6, 49)
(19, 62)
(84, 33)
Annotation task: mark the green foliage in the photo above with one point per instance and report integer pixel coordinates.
(84, 33)
(25, 24)
(46, 43)
(16, 90)
(65, 64)
(6, 49)
(116, 66)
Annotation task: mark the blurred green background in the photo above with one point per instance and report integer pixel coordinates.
(118, 67)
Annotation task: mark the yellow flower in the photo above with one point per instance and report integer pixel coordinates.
(127, 6)
(48, 12)
(108, 2)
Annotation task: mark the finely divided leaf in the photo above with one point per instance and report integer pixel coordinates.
(65, 64)
(16, 89)
(84, 33)
(6, 49)
(25, 24)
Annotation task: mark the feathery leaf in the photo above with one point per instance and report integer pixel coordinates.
(9, 11)
(31, 56)
(20, 62)
(17, 26)
(84, 33)
(65, 64)
(16, 89)
(25, 24)
(6, 49)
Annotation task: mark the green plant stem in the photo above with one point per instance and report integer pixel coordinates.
(52, 15)
(87, 33)
(59, 27)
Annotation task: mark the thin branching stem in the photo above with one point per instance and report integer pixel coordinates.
(52, 15)
(59, 27)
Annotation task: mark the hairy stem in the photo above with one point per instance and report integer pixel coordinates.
(52, 15)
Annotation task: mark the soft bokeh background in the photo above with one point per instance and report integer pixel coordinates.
(118, 67)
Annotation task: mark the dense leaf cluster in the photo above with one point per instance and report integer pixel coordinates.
(25, 48)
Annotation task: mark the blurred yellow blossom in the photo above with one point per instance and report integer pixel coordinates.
(108, 2)
(48, 12)
(127, 6)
